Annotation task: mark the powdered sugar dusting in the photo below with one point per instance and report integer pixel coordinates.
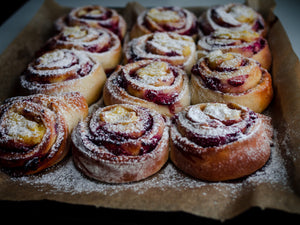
(232, 16)
(179, 50)
(66, 178)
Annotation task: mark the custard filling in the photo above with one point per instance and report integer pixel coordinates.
(118, 115)
(28, 131)
(154, 73)
(74, 32)
(163, 16)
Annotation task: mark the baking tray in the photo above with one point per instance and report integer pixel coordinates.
(274, 186)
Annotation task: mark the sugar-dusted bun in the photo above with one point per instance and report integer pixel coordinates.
(121, 143)
(35, 130)
(64, 70)
(100, 44)
(166, 19)
(217, 142)
(234, 17)
(151, 84)
(178, 50)
(94, 16)
(248, 43)
(230, 77)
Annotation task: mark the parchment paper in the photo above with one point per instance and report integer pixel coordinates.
(276, 185)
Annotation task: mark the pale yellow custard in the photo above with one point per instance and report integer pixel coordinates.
(179, 43)
(21, 128)
(244, 35)
(153, 73)
(75, 32)
(84, 12)
(243, 14)
(217, 58)
(222, 112)
(163, 16)
(119, 115)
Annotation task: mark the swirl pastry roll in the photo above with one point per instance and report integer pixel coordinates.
(100, 44)
(121, 143)
(178, 50)
(94, 16)
(234, 17)
(166, 19)
(151, 84)
(217, 141)
(230, 77)
(63, 70)
(35, 130)
(247, 43)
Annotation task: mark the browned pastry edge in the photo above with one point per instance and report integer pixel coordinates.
(231, 161)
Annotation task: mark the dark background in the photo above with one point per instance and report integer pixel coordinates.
(50, 212)
(46, 212)
(9, 7)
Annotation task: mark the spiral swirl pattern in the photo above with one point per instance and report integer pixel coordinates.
(95, 16)
(234, 17)
(247, 43)
(63, 70)
(121, 143)
(34, 130)
(215, 141)
(230, 77)
(178, 50)
(149, 83)
(166, 19)
(100, 44)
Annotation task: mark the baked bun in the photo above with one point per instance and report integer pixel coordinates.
(64, 70)
(94, 16)
(178, 50)
(230, 77)
(35, 130)
(248, 43)
(100, 44)
(166, 19)
(218, 142)
(121, 143)
(151, 84)
(234, 17)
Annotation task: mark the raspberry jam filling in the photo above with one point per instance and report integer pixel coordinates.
(214, 124)
(256, 47)
(58, 66)
(227, 72)
(83, 38)
(103, 16)
(123, 131)
(220, 21)
(169, 19)
(148, 82)
(93, 13)
(85, 69)
(55, 60)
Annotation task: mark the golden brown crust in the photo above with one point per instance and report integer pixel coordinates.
(257, 97)
(178, 50)
(35, 130)
(63, 70)
(230, 161)
(264, 57)
(246, 43)
(232, 17)
(164, 19)
(95, 16)
(100, 44)
(116, 160)
(122, 88)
